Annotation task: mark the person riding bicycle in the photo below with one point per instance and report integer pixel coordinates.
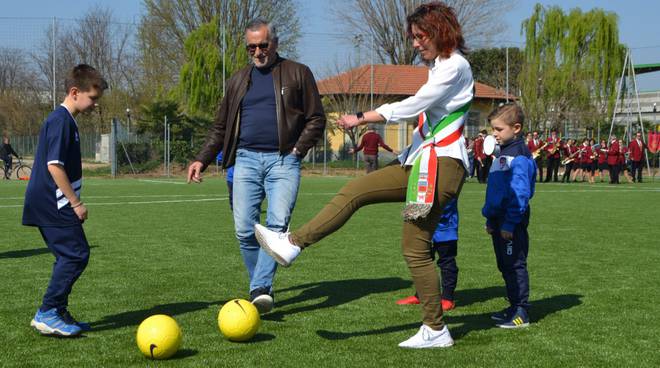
(6, 151)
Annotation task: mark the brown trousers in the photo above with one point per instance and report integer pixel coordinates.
(389, 185)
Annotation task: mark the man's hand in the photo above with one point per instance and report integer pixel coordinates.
(195, 172)
(506, 235)
(348, 121)
(351, 151)
(81, 212)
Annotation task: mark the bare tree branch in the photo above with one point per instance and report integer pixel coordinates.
(385, 20)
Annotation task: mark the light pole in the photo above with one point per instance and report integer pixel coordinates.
(128, 120)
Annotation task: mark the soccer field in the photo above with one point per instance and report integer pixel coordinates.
(160, 246)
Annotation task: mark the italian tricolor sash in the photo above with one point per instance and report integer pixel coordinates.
(422, 179)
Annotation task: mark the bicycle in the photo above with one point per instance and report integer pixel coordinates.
(21, 169)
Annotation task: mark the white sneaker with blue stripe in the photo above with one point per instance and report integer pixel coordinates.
(51, 323)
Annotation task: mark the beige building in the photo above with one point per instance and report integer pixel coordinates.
(353, 91)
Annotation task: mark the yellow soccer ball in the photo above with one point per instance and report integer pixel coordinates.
(159, 337)
(238, 320)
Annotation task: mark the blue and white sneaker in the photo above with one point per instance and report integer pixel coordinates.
(51, 323)
(68, 318)
(519, 319)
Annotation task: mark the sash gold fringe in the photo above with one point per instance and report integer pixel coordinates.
(414, 211)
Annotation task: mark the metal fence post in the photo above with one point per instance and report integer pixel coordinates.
(113, 148)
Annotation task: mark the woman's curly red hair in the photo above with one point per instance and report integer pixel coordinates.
(440, 23)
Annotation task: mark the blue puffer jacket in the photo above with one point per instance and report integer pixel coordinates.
(510, 186)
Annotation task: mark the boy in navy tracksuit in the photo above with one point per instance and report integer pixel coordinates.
(445, 244)
(52, 200)
(510, 187)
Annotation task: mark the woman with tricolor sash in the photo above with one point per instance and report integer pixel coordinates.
(431, 171)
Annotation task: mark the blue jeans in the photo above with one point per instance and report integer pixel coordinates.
(259, 175)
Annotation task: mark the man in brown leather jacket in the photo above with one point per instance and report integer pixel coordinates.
(269, 118)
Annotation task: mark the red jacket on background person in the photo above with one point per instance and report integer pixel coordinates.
(613, 153)
(570, 150)
(552, 141)
(533, 145)
(636, 149)
(622, 155)
(479, 148)
(370, 142)
(585, 155)
(602, 156)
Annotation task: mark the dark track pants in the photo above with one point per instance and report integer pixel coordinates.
(71, 250)
(511, 258)
(448, 269)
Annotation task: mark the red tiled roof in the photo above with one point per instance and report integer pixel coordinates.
(392, 80)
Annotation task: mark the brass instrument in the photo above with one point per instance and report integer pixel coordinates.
(537, 152)
(571, 158)
(555, 148)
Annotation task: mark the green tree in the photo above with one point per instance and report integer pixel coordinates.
(571, 65)
(167, 24)
(200, 81)
(489, 67)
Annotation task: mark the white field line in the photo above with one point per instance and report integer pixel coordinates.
(224, 198)
(162, 181)
(137, 202)
(185, 200)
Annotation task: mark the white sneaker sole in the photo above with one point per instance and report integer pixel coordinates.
(264, 244)
(264, 303)
(44, 329)
(514, 327)
(444, 344)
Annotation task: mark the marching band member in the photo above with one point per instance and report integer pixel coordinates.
(536, 148)
(613, 160)
(636, 149)
(552, 148)
(570, 151)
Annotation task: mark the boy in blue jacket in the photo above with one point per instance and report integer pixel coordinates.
(510, 187)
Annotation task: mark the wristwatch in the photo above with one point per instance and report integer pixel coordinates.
(360, 115)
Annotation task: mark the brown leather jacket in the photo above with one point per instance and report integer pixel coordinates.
(300, 116)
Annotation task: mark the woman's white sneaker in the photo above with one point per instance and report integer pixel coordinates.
(427, 337)
(277, 245)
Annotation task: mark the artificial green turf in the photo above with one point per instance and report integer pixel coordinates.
(594, 271)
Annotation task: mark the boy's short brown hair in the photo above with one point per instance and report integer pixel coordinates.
(511, 113)
(84, 77)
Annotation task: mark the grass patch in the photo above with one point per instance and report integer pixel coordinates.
(161, 247)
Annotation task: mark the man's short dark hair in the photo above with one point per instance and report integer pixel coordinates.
(85, 77)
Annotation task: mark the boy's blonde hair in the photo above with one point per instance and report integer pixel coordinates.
(510, 113)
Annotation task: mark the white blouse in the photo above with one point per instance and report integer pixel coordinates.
(449, 87)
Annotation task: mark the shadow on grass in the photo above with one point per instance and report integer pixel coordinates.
(334, 293)
(134, 318)
(24, 253)
(260, 337)
(183, 354)
(468, 323)
(471, 296)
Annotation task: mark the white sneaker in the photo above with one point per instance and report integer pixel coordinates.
(427, 337)
(277, 245)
